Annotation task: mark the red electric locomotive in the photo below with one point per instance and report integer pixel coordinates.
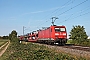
(53, 34)
(50, 35)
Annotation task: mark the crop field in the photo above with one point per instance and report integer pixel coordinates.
(2, 41)
(30, 51)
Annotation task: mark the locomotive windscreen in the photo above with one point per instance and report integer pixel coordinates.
(59, 29)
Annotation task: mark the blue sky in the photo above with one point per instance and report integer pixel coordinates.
(35, 14)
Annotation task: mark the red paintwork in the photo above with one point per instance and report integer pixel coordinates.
(21, 37)
(32, 37)
(48, 34)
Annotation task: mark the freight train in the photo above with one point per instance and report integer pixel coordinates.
(50, 35)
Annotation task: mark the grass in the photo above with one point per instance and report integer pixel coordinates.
(3, 47)
(69, 41)
(30, 51)
(2, 41)
(82, 43)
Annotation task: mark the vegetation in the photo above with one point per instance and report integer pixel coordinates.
(30, 51)
(2, 41)
(13, 36)
(69, 41)
(3, 47)
(79, 36)
(3, 37)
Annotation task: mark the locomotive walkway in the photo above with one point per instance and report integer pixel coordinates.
(4, 47)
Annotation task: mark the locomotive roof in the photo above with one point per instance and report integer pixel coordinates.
(58, 26)
(51, 26)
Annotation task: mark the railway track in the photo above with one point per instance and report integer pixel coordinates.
(78, 47)
(78, 51)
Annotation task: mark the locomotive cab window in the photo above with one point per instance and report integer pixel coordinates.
(62, 29)
(59, 29)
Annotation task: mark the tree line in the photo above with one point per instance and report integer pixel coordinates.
(3, 37)
(12, 36)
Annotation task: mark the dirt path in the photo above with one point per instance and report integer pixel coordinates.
(3, 45)
(4, 48)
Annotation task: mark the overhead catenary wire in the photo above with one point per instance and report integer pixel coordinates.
(78, 15)
(81, 15)
(66, 5)
(75, 17)
(67, 10)
(72, 7)
(55, 11)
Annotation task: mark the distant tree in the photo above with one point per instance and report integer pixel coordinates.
(13, 36)
(78, 34)
(10, 37)
(0, 37)
(5, 37)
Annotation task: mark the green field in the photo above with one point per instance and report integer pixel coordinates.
(30, 51)
(2, 41)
